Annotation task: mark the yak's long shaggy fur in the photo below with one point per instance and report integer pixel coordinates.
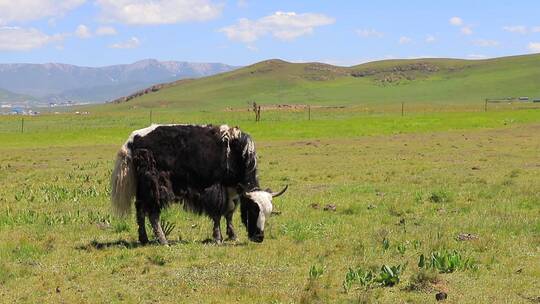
(122, 183)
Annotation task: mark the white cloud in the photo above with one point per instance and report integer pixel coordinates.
(83, 31)
(518, 29)
(106, 31)
(132, 43)
(281, 25)
(404, 40)
(27, 10)
(534, 47)
(486, 43)
(466, 30)
(369, 33)
(456, 21)
(144, 12)
(535, 29)
(430, 39)
(477, 56)
(21, 39)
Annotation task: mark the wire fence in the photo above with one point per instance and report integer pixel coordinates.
(72, 121)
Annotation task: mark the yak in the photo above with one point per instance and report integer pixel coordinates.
(210, 169)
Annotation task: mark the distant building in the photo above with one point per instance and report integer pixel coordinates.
(17, 111)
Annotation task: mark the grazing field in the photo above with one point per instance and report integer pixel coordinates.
(367, 189)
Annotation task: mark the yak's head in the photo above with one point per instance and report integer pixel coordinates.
(255, 208)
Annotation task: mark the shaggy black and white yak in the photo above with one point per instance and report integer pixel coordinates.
(210, 169)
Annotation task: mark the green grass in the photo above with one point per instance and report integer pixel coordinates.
(415, 181)
(441, 81)
(69, 129)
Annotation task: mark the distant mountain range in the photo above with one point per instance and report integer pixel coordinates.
(56, 82)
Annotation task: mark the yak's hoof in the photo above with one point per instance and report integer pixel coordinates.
(218, 239)
(163, 241)
(232, 238)
(143, 240)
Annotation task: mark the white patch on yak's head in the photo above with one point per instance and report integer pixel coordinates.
(264, 200)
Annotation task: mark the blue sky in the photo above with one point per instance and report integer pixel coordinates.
(241, 32)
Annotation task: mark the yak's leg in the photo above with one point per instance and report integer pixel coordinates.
(230, 228)
(217, 229)
(156, 226)
(143, 237)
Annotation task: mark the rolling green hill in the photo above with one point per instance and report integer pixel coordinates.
(437, 81)
(8, 97)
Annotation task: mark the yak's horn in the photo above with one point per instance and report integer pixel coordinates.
(274, 194)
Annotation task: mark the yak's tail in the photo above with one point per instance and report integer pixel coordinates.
(123, 184)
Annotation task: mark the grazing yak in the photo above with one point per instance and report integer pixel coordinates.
(210, 169)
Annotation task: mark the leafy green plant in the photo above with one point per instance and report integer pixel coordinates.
(401, 248)
(446, 261)
(385, 244)
(313, 293)
(167, 227)
(358, 276)
(316, 271)
(390, 275)
(387, 276)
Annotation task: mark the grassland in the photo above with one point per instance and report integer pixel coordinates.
(402, 187)
(415, 81)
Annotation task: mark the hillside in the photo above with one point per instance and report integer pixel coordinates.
(13, 97)
(442, 81)
(64, 82)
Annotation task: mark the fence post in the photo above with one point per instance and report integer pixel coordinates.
(150, 116)
(256, 111)
(485, 105)
(309, 112)
(402, 108)
(22, 125)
